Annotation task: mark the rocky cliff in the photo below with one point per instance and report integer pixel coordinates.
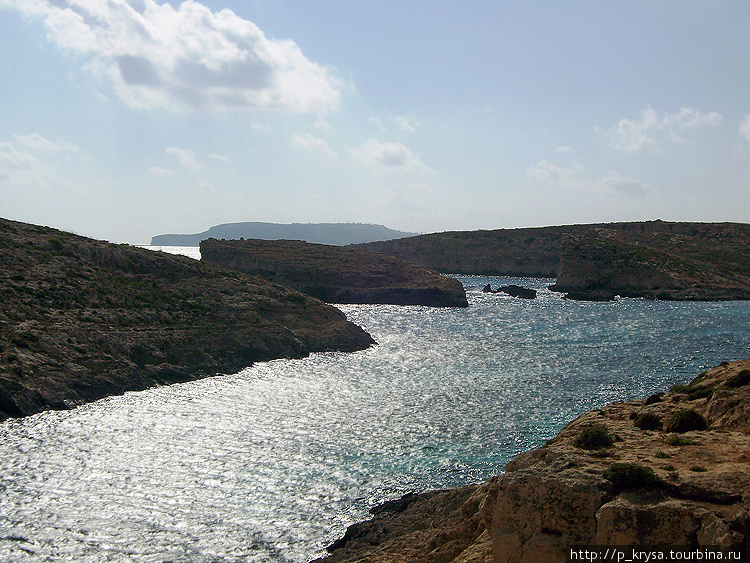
(335, 274)
(670, 470)
(655, 259)
(82, 319)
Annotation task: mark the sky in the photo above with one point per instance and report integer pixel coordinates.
(124, 119)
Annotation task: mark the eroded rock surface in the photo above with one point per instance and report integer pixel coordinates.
(646, 488)
(337, 274)
(82, 319)
(652, 259)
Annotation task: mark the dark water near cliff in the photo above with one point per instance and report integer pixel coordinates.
(273, 463)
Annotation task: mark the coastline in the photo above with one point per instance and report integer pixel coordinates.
(651, 484)
(84, 319)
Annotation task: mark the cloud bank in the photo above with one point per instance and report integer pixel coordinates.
(391, 155)
(157, 56)
(640, 136)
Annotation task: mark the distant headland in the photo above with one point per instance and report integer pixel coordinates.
(653, 259)
(338, 234)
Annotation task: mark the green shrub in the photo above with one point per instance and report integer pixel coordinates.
(595, 437)
(680, 441)
(631, 476)
(698, 468)
(686, 420)
(739, 379)
(647, 421)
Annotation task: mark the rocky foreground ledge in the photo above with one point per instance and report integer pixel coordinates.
(670, 470)
(337, 274)
(82, 319)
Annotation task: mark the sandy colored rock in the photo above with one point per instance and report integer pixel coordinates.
(561, 496)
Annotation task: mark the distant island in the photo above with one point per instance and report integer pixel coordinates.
(653, 259)
(83, 319)
(337, 274)
(323, 233)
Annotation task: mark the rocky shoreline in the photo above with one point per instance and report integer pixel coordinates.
(83, 319)
(336, 274)
(652, 259)
(669, 470)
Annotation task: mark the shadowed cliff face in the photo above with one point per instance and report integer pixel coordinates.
(656, 259)
(82, 319)
(335, 274)
(672, 470)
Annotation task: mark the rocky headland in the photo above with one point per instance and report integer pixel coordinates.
(669, 470)
(82, 319)
(321, 233)
(654, 259)
(337, 274)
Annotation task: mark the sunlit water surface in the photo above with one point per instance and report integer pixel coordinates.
(272, 464)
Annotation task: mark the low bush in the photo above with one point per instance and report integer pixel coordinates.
(595, 437)
(631, 476)
(680, 441)
(647, 421)
(686, 420)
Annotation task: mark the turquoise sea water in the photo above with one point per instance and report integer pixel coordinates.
(271, 464)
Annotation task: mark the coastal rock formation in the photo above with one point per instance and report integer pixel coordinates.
(671, 470)
(513, 290)
(654, 259)
(82, 319)
(336, 274)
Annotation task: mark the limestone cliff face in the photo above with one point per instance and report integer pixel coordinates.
(654, 259)
(630, 474)
(82, 319)
(335, 274)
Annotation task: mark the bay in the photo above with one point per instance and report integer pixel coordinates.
(271, 464)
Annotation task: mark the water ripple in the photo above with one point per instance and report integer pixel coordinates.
(272, 463)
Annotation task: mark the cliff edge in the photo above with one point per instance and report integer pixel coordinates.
(336, 274)
(670, 470)
(652, 259)
(82, 319)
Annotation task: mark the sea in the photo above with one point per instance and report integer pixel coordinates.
(272, 464)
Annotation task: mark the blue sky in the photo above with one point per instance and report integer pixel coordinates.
(129, 118)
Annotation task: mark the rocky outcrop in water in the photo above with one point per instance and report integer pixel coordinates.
(513, 290)
(336, 274)
(82, 319)
(670, 470)
(654, 259)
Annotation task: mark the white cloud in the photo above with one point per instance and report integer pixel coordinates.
(409, 124)
(572, 179)
(186, 157)
(220, 157)
(745, 130)
(547, 172)
(392, 155)
(626, 186)
(186, 57)
(37, 142)
(564, 149)
(640, 136)
(308, 143)
(12, 158)
(161, 172)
